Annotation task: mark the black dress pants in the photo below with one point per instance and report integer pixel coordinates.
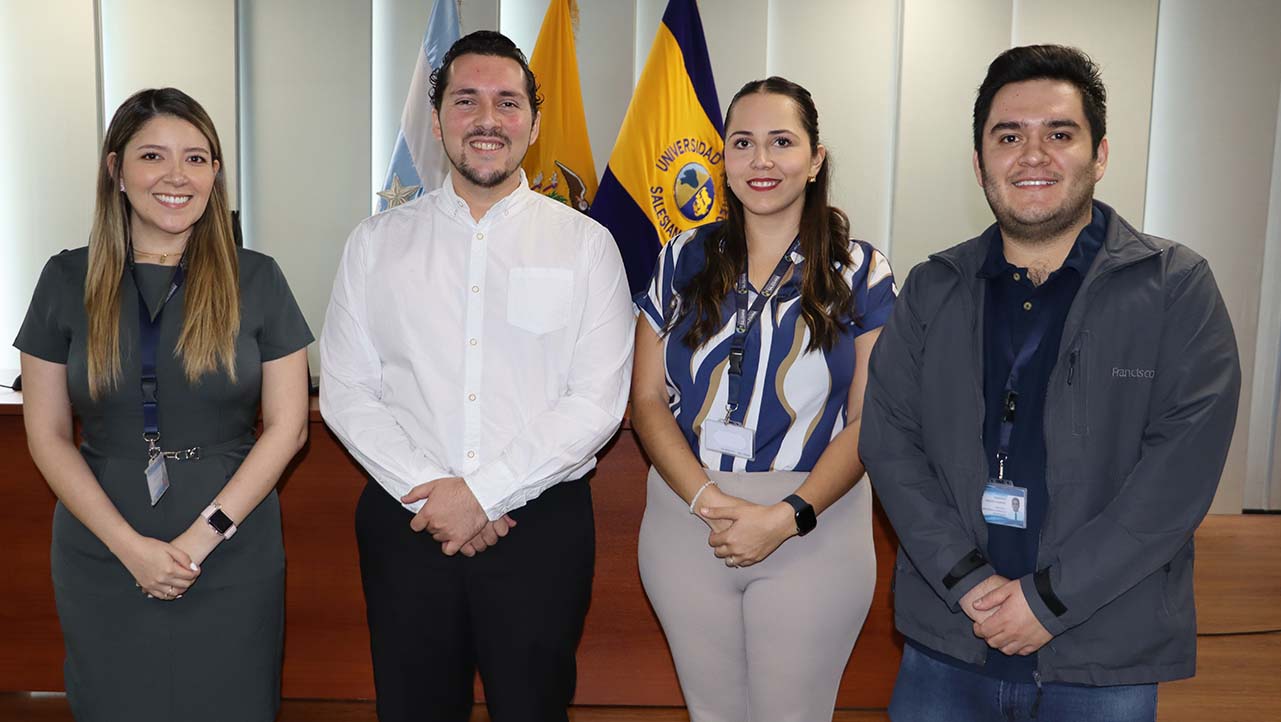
(514, 611)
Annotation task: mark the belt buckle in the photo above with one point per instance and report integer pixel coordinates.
(192, 454)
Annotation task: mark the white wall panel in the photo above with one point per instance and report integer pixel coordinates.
(606, 41)
(520, 20)
(845, 52)
(477, 14)
(947, 47)
(648, 15)
(1214, 116)
(1263, 466)
(1121, 38)
(48, 146)
(185, 44)
(397, 28)
(305, 100)
(737, 34)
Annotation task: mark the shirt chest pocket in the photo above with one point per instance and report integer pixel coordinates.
(538, 299)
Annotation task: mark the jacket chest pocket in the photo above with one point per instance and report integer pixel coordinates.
(538, 299)
(1078, 384)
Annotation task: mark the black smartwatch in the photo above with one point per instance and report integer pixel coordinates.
(806, 519)
(221, 523)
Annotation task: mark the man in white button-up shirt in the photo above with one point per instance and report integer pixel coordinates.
(475, 356)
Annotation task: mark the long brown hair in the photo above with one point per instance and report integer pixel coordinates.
(826, 299)
(212, 286)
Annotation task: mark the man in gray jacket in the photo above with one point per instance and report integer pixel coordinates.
(1047, 415)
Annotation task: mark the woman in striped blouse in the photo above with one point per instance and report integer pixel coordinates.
(747, 394)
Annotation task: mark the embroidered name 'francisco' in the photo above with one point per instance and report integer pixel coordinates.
(1121, 373)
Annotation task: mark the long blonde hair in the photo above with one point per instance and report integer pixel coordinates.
(212, 286)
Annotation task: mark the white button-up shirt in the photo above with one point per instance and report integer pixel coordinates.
(498, 350)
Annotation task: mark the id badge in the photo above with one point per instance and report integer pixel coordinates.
(1005, 504)
(729, 439)
(157, 478)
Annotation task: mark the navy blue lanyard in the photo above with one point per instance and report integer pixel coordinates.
(1018, 363)
(149, 338)
(745, 316)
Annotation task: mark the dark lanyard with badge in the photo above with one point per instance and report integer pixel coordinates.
(1004, 501)
(730, 436)
(149, 338)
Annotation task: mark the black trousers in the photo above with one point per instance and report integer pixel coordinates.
(514, 611)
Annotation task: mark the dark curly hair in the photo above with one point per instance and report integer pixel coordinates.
(483, 42)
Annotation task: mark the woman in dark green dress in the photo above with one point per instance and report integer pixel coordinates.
(168, 566)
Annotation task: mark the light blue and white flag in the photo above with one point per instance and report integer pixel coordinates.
(418, 163)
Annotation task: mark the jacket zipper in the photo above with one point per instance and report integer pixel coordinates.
(1071, 366)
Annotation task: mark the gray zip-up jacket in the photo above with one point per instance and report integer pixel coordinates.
(1139, 413)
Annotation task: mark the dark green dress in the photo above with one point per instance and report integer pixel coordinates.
(215, 654)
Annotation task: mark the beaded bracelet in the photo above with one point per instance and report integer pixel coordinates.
(697, 494)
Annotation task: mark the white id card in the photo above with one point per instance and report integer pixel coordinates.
(1005, 504)
(729, 439)
(157, 478)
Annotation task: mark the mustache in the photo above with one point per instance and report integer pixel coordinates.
(487, 133)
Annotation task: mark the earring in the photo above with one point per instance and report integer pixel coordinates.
(811, 180)
(122, 184)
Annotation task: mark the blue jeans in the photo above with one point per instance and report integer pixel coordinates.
(931, 691)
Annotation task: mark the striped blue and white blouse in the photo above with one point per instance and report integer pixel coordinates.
(798, 397)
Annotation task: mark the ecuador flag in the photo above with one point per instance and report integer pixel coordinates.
(560, 163)
(665, 174)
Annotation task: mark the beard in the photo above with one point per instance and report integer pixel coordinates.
(1040, 224)
(491, 179)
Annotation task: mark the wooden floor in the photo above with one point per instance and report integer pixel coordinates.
(15, 707)
(1238, 577)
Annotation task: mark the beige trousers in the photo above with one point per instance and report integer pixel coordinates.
(769, 642)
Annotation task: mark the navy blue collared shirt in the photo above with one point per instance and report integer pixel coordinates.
(1014, 305)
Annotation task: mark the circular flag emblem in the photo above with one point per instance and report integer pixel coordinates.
(695, 192)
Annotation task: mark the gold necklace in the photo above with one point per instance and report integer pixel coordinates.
(162, 256)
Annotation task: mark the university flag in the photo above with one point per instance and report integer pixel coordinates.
(665, 174)
(560, 164)
(418, 162)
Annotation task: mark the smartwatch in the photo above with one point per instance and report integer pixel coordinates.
(806, 520)
(222, 523)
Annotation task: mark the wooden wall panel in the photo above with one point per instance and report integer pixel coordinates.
(30, 639)
(623, 658)
(326, 639)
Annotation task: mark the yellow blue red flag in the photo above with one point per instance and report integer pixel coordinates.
(665, 174)
(560, 164)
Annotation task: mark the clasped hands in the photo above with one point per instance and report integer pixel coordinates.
(744, 533)
(454, 517)
(1003, 618)
(166, 570)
